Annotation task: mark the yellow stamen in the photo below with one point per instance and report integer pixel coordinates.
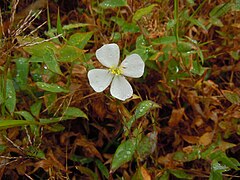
(116, 70)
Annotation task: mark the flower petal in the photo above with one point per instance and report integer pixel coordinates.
(133, 66)
(121, 88)
(108, 55)
(99, 79)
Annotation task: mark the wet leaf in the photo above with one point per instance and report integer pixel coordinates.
(142, 109)
(10, 101)
(225, 160)
(51, 87)
(113, 3)
(123, 154)
(147, 145)
(22, 67)
(142, 12)
(51, 61)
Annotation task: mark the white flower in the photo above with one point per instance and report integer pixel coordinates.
(132, 66)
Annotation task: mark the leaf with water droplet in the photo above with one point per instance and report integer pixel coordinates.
(113, 3)
(10, 96)
(22, 67)
(143, 108)
(147, 145)
(51, 87)
(123, 154)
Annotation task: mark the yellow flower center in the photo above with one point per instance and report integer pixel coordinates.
(116, 70)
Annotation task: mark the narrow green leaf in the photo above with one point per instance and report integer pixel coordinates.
(10, 101)
(22, 68)
(143, 108)
(143, 11)
(220, 10)
(113, 3)
(74, 112)
(180, 174)
(75, 25)
(4, 124)
(102, 168)
(88, 172)
(51, 87)
(59, 24)
(123, 154)
(80, 40)
(165, 40)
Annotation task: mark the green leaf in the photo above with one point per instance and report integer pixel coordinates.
(165, 40)
(233, 97)
(180, 174)
(59, 24)
(184, 47)
(40, 49)
(51, 87)
(75, 25)
(69, 53)
(102, 168)
(4, 124)
(88, 172)
(220, 10)
(197, 68)
(22, 68)
(147, 145)
(222, 157)
(123, 154)
(35, 108)
(143, 108)
(81, 159)
(51, 61)
(143, 11)
(10, 101)
(165, 176)
(113, 3)
(126, 27)
(28, 117)
(80, 40)
(74, 112)
(216, 170)
(35, 152)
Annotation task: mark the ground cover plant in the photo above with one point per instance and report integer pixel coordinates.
(120, 89)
